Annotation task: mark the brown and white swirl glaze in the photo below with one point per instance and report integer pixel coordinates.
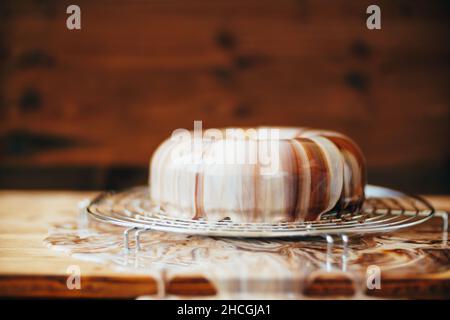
(315, 171)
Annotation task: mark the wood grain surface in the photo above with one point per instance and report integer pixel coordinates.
(29, 269)
(92, 102)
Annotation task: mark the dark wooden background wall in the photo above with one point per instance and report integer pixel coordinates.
(85, 109)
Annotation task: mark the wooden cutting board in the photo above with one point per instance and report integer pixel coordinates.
(416, 260)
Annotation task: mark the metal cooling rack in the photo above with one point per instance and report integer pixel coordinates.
(383, 210)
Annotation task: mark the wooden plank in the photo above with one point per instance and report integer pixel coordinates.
(50, 286)
(136, 72)
(29, 269)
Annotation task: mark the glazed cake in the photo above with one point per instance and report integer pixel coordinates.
(257, 174)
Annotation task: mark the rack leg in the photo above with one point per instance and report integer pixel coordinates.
(137, 237)
(330, 243)
(444, 216)
(126, 238)
(344, 238)
(83, 219)
(329, 257)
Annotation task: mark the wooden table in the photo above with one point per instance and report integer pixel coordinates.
(28, 268)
